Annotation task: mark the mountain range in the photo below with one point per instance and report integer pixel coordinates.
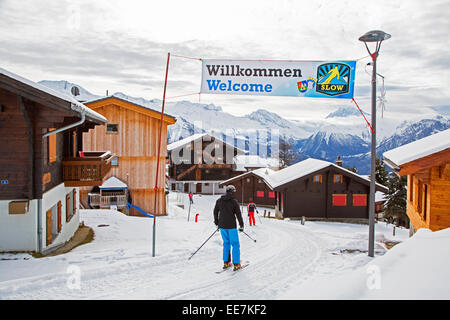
(343, 132)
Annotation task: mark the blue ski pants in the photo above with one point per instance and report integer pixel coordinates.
(231, 240)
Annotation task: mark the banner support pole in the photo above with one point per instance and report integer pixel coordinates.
(159, 153)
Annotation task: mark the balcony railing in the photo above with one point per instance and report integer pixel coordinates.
(96, 200)
(87, 170)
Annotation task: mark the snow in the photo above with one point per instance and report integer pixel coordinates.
(288, 261)
(113, 183)
(55, 93)
(195, 137)
(261, 172)
(414, 269)
(146, 104)
(303, 168)
(184, 141)
(253, 161)
(419, 149)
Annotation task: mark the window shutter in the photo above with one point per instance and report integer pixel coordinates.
(74, 201)
(68, 207)
(48, 233)
(339, 200)
(360, 200)
(59, 216)
(52, 147)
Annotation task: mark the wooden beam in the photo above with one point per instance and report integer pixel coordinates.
(433, 160)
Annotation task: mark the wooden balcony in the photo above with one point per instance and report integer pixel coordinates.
(88, 170)
(105, 202)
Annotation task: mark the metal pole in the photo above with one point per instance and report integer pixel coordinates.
(189, 213)
(372, 160)
(203, 244)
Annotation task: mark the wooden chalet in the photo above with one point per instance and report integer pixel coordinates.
(132, 134)
(426, 163)
(43, 163)
(318, 189)
(199, 163)
(251, 186)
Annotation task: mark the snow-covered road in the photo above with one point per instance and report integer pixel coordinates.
(118, 264)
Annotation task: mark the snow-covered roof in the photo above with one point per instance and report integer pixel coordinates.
(304, 168)
(419, 149)
(261, 172)
(253, 161)
(113, 183)
(123, 97)
(78, 105)
(195, 137)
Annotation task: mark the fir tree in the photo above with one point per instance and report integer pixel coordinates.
(395, 206)
(287, 153)
(381, 174)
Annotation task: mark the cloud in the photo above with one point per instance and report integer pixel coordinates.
(123, 46)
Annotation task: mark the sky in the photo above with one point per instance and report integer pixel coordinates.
(122, 46)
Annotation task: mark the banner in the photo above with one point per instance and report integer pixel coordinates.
(313, 79)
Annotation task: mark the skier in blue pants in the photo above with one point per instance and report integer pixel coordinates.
(226, 212)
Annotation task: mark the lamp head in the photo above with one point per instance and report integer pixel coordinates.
(374, 36)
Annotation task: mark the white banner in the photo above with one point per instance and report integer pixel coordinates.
(316, 79)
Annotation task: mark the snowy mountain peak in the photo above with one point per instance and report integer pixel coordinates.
(345, 111)
(71, 89)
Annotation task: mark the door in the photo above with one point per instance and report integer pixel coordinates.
(186, 187)
(49, 227)
(198, 188)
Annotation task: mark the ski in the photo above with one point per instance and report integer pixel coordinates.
(244, 264)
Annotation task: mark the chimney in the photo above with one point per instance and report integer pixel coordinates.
(106, 92)
(339, 161)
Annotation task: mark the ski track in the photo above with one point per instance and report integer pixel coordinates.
(285, 255)
(280, 257)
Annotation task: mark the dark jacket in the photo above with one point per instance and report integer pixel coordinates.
(226, 211)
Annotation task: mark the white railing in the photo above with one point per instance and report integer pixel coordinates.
(95, 200)
(107, 201)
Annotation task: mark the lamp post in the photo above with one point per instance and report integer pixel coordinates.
(376, 36)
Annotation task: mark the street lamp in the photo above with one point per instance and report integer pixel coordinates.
(378, 37)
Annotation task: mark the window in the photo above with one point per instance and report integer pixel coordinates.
(339, 200)
(317, 178)
(337, 178)
(271, 195)
(360, 200)
(260, 194)
(259, 181)
(51, 147)
(115, 162)
(112, 128)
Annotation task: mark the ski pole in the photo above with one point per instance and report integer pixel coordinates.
(259, 216)
(248, 235)
(203, 244)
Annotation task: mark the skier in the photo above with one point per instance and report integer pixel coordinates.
(190, 195)
(251, 208)
(226, 212)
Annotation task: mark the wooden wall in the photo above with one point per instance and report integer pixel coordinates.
(15, 142)
(250, 188)
(136, 145)
(303, 197)
(428, 198)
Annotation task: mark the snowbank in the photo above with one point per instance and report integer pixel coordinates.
(415, 269)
